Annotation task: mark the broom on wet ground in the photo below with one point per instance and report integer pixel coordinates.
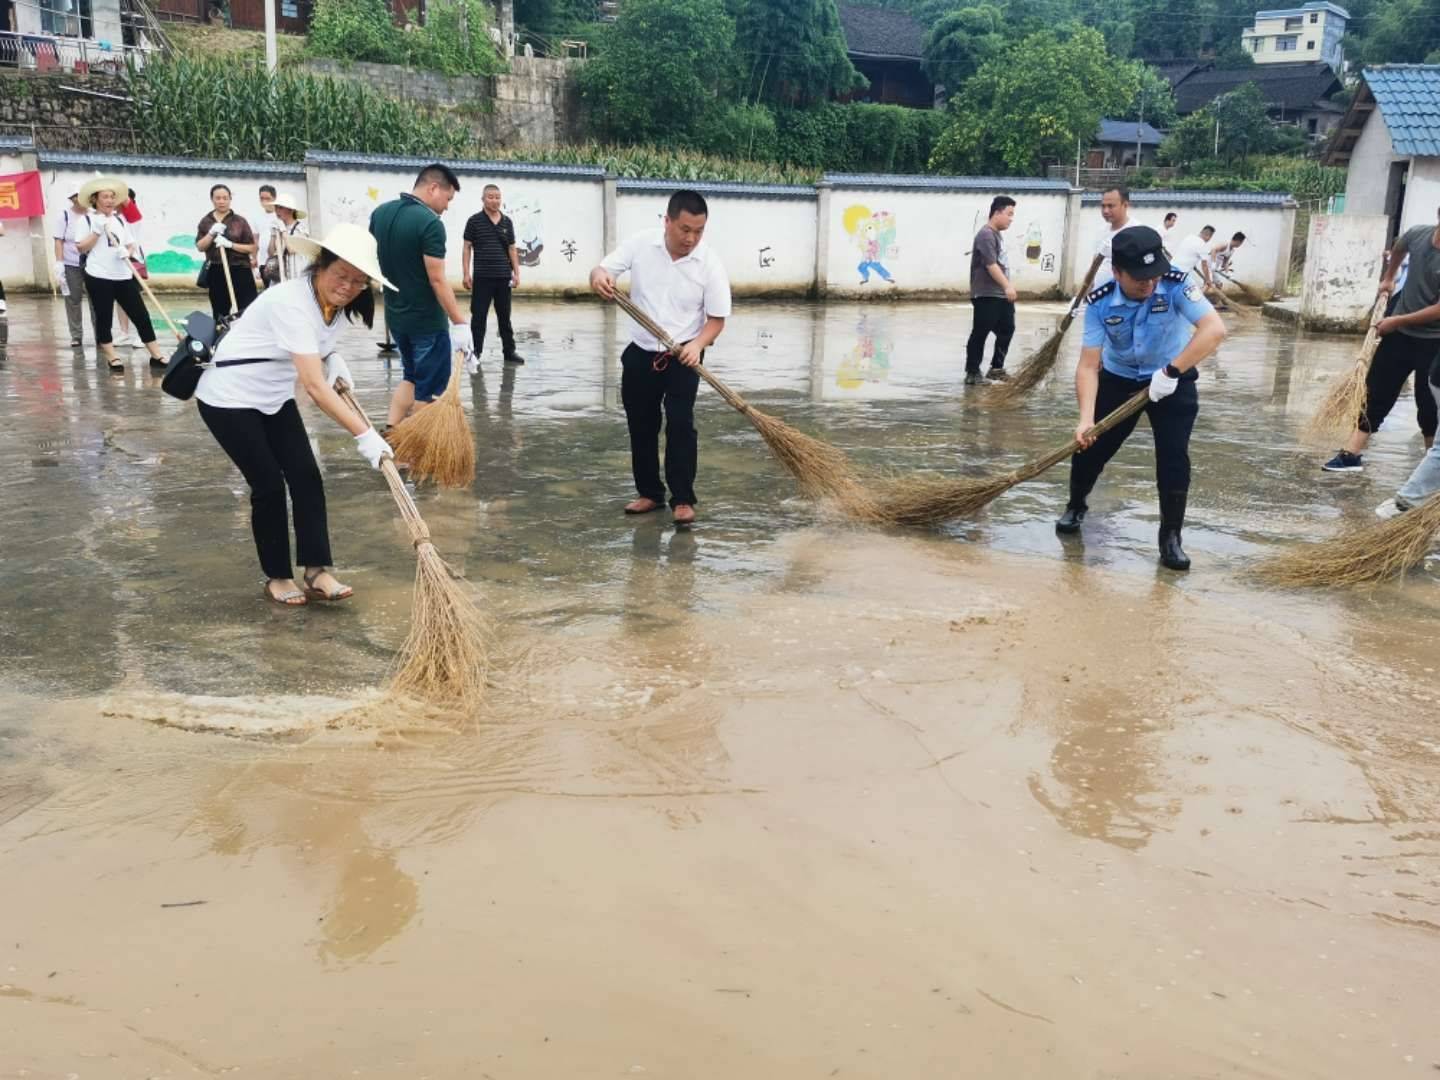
(446, 657)
(435, 443)
(933, 500)
(1251, 297)
(1035, 368)
(823, 471)
(1223, 301)
(1344, 402)
(1366, 555)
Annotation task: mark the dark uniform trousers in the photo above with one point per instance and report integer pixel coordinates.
(993, 315)
(643, 392)
(485, 292)
(1398, 358)
(1171, 421)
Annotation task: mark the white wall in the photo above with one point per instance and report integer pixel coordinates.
(558, 222)
(923, 239)
(1342, 266)
(1254, 264)
(1422, 193)
(172, 204)
(1368, 176)
(767, 245)
(15, 256)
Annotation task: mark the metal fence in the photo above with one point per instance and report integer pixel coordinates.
(82, 138)
(53, 52)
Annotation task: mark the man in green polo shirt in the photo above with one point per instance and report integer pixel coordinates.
(423, 315)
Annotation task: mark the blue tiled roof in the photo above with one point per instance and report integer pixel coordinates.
(718, 187)
(1237, 200)
(16, 142)
(1123, 131)
(945, 183)
(1409, 99)
(484, 168)
(90, 162)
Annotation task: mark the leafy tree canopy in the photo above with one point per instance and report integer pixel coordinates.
(793, 51)
(959, 42)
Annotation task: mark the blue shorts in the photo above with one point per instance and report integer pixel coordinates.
(425, 361)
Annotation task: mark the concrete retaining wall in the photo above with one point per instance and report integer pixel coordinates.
(1342, 266)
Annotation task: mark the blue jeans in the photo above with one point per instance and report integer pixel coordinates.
(1425, 480)
(425, 361)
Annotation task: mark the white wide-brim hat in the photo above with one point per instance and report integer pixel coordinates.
(120, 187)
(352, 243)
(287, 200)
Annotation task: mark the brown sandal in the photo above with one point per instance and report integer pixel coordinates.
(340, 592)
(288, 598)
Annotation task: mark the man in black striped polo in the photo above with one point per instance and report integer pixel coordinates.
(492, 270)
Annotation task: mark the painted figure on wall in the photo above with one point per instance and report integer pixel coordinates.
(874, 236)
(529, 240)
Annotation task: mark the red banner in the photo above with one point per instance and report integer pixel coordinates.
(20, 196)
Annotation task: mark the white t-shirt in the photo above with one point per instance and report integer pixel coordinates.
(295, 263)
(1191, 253)
(679, 294)
(268, 224)
(110, 257)
(1105, 273)
(67, 226)
(285, 321)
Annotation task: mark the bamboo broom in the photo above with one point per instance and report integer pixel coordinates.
(446, 657)
(435, 443)
(1036, 367)
(933, 501)
(1366, 555)
(1343, 404)
(823, 471)
(1253, 298)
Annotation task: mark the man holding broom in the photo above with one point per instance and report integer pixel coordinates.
(1410, 339)
(421, 311)
(680, 283)
(1139, 336)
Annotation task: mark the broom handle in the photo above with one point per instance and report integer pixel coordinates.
(229, 285)
(419, 531)
(731, 397)
(163, 313)
(1114, 418)
(1372, 335)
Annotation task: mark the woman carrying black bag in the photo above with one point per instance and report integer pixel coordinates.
(247, 400)
(224, 234)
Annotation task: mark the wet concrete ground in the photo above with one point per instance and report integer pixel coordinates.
(777, 796)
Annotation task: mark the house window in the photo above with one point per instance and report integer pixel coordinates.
(1310, 125)
(1314, 17)
(1310, 45)
(1294, 23)
(1258, 45)
(1287, 44)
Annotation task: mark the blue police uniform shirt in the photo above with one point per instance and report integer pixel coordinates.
(1138, 337)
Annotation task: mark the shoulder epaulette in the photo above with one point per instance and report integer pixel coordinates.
(1175, 275)
(1102, 292)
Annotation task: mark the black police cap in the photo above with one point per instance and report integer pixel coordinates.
(1139, 252)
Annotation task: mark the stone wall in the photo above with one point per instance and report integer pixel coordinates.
(57, 119)
(534, 104)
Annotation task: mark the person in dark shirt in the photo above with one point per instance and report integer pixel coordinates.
(492, 270)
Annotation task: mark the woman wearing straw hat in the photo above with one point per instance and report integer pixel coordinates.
(247, 400)
(292, 224)
(105, 239)
(224, 234)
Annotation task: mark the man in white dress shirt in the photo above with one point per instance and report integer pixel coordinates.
(680, 283)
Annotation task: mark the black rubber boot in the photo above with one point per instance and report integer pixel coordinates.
(1071, 520)
(1172, 520)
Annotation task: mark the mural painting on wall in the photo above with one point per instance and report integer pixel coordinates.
(874, 237)
(529, 241)
(353, 210)
(867, 362)
(1032, 245)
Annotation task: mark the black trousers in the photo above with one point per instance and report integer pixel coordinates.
(643, 392)
(993, 315)
(1399, 357)
(104, 295)
(1172, 419)
(273, 453)
(486, 291)
(244, 281)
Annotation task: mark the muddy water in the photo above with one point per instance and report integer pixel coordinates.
(776, 797)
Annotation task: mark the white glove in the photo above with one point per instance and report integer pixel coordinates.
(60, 271)
(372, 447)
(217, 229)
(1162, 385)
(461, 338)
(335, 369)
(224, 242)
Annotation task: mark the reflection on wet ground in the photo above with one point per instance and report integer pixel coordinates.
(777, 796)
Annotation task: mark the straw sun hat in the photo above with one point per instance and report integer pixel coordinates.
(352, 243)
(287, 200)
(105, 183)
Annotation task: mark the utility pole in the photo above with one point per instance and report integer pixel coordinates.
(270, 57)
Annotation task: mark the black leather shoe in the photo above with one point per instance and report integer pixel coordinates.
(1071, 520)
(972, 378)
(514, 358)
(1172, 520)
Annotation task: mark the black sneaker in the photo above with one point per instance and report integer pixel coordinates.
(972, 378)
(1344, 461)
(1071, 520)
(997, 374)
(514, 358)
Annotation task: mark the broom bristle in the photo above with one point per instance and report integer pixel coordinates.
(1027, 376)
(445, 660)
(1341, 408)
(933, 500)
(823, 471)
(436, 443)
(1365, 555)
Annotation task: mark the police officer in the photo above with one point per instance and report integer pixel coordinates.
(1138, 334)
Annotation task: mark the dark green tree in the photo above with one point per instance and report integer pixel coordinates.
(1154, 101)
(959, 42)
(1402, 31)
(1230, 129)
(794, 52)
(663, 66)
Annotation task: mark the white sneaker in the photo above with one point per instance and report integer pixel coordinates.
(472, 365)
(3, 308)
(1390, 508)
